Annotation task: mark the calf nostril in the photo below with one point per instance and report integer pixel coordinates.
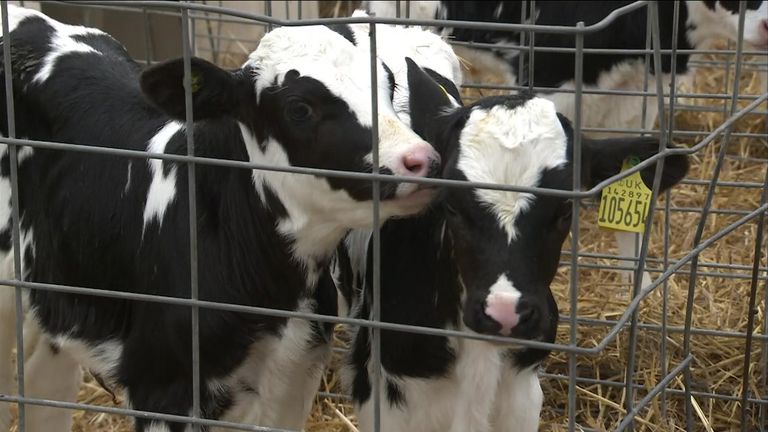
(526, 312)
(416, 164)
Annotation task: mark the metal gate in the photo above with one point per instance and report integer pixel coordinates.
(688, 352)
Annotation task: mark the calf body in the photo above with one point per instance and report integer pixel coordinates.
(264, 237)
(477, 260)
(698, 22)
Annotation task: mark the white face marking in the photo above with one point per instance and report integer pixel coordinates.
(320, 53)
(318, 216)
(162, 189)
(511, 147)
(425, 48)
(503, 286)
(501, 304)
(722, 23)
(61, 43)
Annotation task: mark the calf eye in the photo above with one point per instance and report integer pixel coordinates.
(298, 110)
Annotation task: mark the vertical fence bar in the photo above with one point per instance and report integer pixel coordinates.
(520, 54)
(16, 228)
(574, 334)
(408, 9)
(298, 9)
(530, 48)
(638, 274)
(646, 75)
(376, 306)
(192, 32)
(194, 294)
(665, 285)
(268, 12)
(397, 9)
(752, 311)
(211, 38)
(764, 357)
(727, 78)
(147, 36)
(756, 262)
(687, 377)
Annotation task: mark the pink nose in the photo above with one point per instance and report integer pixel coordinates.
(420, 161)
(502, 308)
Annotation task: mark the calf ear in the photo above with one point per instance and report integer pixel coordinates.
(603, 158)
(427, 99)
(215, 92)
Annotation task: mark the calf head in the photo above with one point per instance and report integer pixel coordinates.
(506, 245)
(720, 19)
(303, 99)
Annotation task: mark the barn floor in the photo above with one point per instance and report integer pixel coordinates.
(720, 303)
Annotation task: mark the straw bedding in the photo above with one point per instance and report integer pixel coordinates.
(719, 303)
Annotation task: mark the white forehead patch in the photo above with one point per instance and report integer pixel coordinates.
(320, 53)
(511, 146)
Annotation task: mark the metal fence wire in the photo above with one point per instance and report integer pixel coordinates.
(687, 352)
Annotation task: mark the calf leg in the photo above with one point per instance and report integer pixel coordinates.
(7, 339)
(479, 372)
(51, 373)
(519, 403)
(392, 418)
(7, 342)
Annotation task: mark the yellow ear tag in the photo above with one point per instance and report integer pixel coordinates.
(624, 204)
(196, 81)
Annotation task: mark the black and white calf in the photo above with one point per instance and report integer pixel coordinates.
(264, 237)
(699, 22)
(477, 260)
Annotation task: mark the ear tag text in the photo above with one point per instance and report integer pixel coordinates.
(624, 204)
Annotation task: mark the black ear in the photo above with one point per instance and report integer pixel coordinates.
(427, 99)
(603, 158)
(215, 92)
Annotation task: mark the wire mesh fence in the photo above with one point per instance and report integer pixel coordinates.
(687, 352)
